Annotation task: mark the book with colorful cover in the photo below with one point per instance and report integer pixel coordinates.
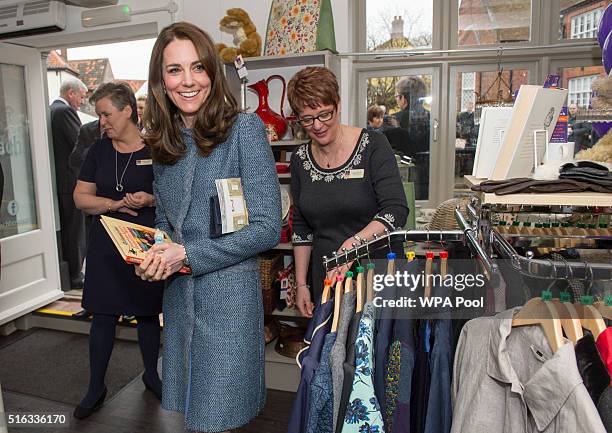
(132, 240)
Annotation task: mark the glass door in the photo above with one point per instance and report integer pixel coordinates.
(29, 263)
(410, 105)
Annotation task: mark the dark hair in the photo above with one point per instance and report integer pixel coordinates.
(374, 111)
(120, 95)
(312, 87)
(162, 120)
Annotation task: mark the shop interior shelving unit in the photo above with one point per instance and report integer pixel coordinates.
(281, 372)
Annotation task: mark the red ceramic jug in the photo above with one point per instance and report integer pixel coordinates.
(276, 124)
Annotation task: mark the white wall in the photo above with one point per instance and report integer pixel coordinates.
(205, 14)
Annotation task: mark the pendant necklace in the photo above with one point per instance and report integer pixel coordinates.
(341, 140)
(119, 182)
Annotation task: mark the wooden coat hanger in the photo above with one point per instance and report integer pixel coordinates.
(370, 275)
(391, 263)
(359, 289)
(326, 291)
(337, 302)
(390, 256)
(570, 320)
(429, 256)
(590, 317)
(370, 282)
(543, 313)
(605, 307)
(348, 282)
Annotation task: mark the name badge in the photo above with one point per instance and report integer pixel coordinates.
(144, 162)
(357, 173)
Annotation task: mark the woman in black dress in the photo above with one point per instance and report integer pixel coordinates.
(345, 183)
(116, 179)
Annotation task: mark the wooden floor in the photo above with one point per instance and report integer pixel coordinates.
(135, 410)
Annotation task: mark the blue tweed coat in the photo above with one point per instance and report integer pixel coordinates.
(213, 359)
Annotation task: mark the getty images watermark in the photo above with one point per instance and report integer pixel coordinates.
(410, 290)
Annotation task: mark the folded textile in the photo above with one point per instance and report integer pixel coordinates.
(587, 171)
(528, 185)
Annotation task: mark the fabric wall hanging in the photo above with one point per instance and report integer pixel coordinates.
(299, 26)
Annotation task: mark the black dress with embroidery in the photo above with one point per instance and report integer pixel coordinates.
(332, 205)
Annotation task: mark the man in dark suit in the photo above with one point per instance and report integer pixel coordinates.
(65, 126)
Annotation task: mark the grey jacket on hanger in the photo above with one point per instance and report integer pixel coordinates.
(507, 380)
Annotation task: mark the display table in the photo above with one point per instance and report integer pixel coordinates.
(554, 199)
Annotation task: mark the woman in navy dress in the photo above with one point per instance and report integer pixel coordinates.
(116, 179)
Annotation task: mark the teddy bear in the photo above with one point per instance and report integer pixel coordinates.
(248, 42)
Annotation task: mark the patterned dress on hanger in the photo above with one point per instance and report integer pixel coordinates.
(363, 412)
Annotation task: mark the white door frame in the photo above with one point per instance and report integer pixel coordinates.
(30, 271)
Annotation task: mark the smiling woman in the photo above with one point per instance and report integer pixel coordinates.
(213, 364)
(345, 183)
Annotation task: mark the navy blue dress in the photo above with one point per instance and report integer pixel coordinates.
(111, 286)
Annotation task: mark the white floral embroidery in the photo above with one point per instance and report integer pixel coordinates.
(317, 175)
(388, 218)
(297, 239)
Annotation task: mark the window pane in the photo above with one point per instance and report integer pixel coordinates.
(579, 19)
(578, 81)
(393, 25)
(406, 123)
(486, 87)
(484, 22)
(18, 207)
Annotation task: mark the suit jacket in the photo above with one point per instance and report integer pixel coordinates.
(65, 126)
(87, 136)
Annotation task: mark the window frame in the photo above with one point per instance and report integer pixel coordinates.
(545, 53)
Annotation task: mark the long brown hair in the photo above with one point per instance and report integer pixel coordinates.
(162, 120)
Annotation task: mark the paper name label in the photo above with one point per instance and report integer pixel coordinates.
(144, 162)
(357, 173)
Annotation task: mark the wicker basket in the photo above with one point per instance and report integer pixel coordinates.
(444, 216)
(270, 263)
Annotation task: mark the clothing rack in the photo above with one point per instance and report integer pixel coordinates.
(365, 248)
(539, 268)
(554, 269)
(467, 234)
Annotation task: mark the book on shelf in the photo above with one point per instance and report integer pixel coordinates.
(133, 240)
(531, 124)
(493, 123)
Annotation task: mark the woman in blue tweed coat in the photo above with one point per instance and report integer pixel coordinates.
(213, 360)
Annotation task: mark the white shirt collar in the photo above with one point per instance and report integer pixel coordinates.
(59, 98)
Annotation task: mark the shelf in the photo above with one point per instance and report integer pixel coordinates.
(287, 143)
(300, 59)
(273, 356)
(281, 372)
(287, 247)
(287, 312)
(553, 199)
